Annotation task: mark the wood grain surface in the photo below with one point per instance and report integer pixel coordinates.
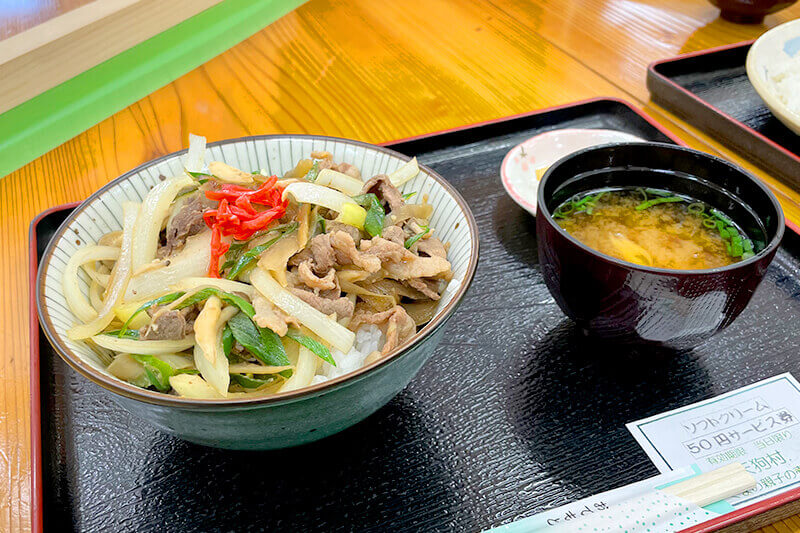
(80, 39)
(16, 16)
(373, 70)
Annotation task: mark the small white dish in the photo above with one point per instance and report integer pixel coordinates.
(526, 163)
(772, 58)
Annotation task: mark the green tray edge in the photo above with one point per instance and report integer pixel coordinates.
(37, 126)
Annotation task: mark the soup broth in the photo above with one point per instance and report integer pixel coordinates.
(653, 227)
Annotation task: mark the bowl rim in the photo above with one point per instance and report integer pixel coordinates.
(768, 249)
(789, 118)
(131, 391)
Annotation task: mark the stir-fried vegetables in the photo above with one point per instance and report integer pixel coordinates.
(236, 215)
(225, 283)
(405, 173)
(373, 221)
(249, 258)
(127, 345)
(310, 193)
(341, 182)
(261, 342)
(329, 330)
(76, 301)
(118, 282)
(153, 210)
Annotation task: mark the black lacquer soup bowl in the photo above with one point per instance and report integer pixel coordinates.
(632, 304)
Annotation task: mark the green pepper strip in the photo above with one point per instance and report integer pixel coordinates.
(250, 383)
(161, 300)
(414, 238)
(373, 223)
(250, 256)
(319, 349)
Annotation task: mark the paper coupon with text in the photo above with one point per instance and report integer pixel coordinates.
(756, 425)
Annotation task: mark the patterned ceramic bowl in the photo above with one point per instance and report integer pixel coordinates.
(285, 419)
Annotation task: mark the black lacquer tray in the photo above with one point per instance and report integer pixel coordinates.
(515, 412)
(710, 90)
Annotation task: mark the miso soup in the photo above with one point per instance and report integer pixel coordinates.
(653, 227)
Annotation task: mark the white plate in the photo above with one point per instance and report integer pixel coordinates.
(525, 164)
(773, 53)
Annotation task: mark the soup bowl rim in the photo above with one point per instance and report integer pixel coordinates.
(766, 251)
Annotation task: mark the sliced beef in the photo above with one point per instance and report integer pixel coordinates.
(382, 187)
(332, 225)
(189, 315)
(325, 160)
(350, 170)
(322, 155)
(342, 306)
(399, 326)
(431, 247)
(428, 287)
(301, 257)
(346, 253)
(308, 277)
(269, 316)
(167, 325)
(419, 267)
(324, 257)
(394, 234)
(186, 222)
(385, 250)
(331, 249)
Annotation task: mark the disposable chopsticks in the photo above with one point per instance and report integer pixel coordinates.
(713, 486)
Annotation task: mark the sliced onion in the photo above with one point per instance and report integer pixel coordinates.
(229, 174)
(205, 329)
(274, 259)
(381, 302)
(195, 157)
(341, 182)
(76, 301)
(311, 193)
(153, 211)
(421, 312)
(404, 212)
(125, 367)
(122, 344)
(214, 366)
(118, 282)
(192, 261)
(176, 360)
(252, 368)
(227, 285)
(96, 295)
(405, 173)
(304, 373)
(101, 278)
(193, 386)
(328, 330)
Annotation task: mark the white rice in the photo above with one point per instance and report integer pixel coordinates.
(369, 338)
(784, 77)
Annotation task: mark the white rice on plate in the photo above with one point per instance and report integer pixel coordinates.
(784, 80)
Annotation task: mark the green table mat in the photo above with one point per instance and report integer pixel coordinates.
(55, 116)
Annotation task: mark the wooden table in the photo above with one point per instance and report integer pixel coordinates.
(366, 69)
